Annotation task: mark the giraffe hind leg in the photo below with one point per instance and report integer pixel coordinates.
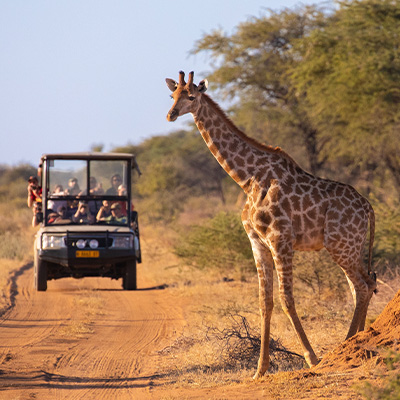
(362, 288)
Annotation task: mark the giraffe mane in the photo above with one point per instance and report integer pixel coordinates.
(249, 140)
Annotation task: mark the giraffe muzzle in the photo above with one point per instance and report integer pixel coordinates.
(172, 115)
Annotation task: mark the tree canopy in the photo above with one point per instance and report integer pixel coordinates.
(349, 82)
(252, 66)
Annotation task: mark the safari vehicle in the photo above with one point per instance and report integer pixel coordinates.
(74, 239)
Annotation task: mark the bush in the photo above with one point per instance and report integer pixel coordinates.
(391, 384)
(239, 346)
(387, 231)
(220, 242)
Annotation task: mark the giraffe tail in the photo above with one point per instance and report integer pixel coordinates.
(371, 216)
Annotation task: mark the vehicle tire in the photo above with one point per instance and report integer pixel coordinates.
(40, 268)
(129, 278)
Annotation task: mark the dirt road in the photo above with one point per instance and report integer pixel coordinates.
(84, 339)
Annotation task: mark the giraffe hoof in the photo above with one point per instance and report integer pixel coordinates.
(258, 375)
(311, 359)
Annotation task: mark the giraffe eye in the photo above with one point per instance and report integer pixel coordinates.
(191, 98)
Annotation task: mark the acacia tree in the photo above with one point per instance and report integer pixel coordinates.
(251, 66)
(349, 82)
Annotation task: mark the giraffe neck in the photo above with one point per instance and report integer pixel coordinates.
(243, 158)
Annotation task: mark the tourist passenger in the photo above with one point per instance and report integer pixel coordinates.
(83, 214)
(73, 187)
(72, 208)
(116, 215)
(105, 211)
(37, 208)
(62, 216)
(55, 204)
(34, 191)
(116, 180)
(123, 193)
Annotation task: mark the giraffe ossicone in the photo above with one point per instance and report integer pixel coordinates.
(287, 209)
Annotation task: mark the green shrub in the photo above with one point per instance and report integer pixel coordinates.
(387, 230)
(390, 389)
(220, 242)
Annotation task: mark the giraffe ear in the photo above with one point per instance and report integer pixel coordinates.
(203, 85)
(171, 84)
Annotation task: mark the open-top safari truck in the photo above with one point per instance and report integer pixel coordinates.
(88, 226)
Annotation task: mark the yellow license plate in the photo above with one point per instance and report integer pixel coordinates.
(87, 253)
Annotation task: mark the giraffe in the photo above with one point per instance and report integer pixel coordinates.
(287, 209)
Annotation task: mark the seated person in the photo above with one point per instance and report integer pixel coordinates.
(72, 208)
(73, 187)
(105, 211)
(52, 217)
(94, 188)
(62, 216)
(122, 192)
(34, 191)
(55, 204)
(83, 215)
(116, 215)
(116, 180)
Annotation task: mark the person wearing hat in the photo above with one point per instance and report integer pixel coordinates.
(83, 215)
(62, 216)
(73, 187)
(116, 215)
(34, 191)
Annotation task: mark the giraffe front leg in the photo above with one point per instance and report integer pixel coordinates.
(265, 282)
(285, 279)
(264, 263)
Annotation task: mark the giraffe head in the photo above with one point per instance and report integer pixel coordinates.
(185, 95)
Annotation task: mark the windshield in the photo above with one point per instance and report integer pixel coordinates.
(87, 192)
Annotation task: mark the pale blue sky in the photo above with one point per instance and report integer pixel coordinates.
(74, 73)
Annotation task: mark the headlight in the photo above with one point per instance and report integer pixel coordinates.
(93, 244)
(81, 244)
(123, 242)
(53, 241)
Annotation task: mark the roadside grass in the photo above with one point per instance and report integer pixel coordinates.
(16, 243)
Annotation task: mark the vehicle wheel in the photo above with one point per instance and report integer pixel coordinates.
(40, 268)
(129, 278)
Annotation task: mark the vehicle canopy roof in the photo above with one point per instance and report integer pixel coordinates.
(88, 156)
(92, 156)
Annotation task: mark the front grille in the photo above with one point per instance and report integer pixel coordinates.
(103, 242)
